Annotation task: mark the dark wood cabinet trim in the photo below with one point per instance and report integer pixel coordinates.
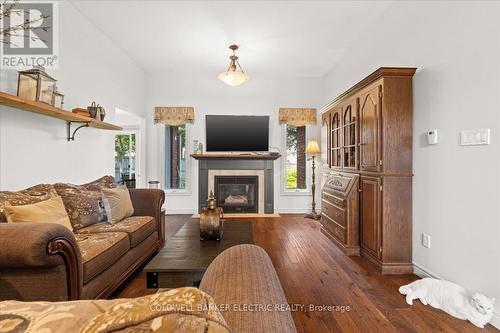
(377, 183)
(381, 72)
(369, 173)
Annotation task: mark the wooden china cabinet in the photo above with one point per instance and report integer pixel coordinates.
(366, 140)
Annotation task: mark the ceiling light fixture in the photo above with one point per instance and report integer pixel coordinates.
(231, 76)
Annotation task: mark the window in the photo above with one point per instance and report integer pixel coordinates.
(295, 159)
(175, 157)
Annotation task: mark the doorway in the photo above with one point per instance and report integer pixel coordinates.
(126, 158)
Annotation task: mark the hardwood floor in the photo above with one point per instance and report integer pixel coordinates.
(314, 271)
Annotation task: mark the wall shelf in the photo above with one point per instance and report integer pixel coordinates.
(58, 113)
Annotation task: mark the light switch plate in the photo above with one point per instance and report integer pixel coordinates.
(474, 137)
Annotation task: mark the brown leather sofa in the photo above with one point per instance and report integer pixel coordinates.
(45, 261)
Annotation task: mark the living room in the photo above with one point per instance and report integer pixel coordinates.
(166, 75)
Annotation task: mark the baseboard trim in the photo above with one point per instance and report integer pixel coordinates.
(423, 272)
(180, 212)
(293, 210)
(495, 321)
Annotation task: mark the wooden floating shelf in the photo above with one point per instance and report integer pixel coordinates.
(236, 156)
(51, 111)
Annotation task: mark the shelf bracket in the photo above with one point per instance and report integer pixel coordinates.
(70, 136)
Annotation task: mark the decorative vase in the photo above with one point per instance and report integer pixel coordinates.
(211, 220)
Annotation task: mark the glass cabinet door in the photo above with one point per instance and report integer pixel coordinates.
(325, 143)
(335, 139)
(350, 134)
(370, 129)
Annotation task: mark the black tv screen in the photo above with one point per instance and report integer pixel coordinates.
(237, 133)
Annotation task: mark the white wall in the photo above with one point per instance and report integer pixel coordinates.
(456, 195)
(259, 96)
(33, 148)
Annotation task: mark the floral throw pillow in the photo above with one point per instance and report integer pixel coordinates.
(84, 202)
(99, 184)
(32, 195)
(182, 310)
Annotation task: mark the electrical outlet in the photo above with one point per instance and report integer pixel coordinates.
(426, 240)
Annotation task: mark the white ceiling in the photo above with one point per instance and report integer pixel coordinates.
(289, 38)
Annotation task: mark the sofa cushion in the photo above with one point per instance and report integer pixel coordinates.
(138, 228)
(117, 203)
(28, 196)
(47, 211)
(99, 251)
(84, 202)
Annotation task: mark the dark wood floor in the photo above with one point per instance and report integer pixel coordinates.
(314, 271)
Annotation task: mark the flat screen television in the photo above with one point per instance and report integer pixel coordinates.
(237, 133)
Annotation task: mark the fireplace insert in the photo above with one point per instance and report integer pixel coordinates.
(237, 194)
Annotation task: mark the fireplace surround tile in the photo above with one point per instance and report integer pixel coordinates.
(264, 168)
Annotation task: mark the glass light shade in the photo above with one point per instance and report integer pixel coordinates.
(313, 147)
(233, 78)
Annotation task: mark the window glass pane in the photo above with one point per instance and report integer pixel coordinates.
(175, 157)
(295, 157)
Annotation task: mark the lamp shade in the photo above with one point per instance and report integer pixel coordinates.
(313, 147)
(233, 78)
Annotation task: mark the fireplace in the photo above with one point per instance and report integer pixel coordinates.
(237, 194)
(216, 165)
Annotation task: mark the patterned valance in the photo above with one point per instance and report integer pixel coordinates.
(297, 116)
(174, 116)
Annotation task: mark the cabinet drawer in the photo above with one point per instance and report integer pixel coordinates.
(335, 213)
(335, 229)
(341, 202)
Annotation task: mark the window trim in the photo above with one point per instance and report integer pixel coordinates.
(176, 192)
(293, 192)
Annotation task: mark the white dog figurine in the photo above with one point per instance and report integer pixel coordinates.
(451, 298)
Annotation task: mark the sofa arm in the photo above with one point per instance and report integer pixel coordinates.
(149, 202)
(233, 281)
(39, 247)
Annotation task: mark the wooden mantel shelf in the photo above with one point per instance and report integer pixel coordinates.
(236, 156)
(51, 111)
